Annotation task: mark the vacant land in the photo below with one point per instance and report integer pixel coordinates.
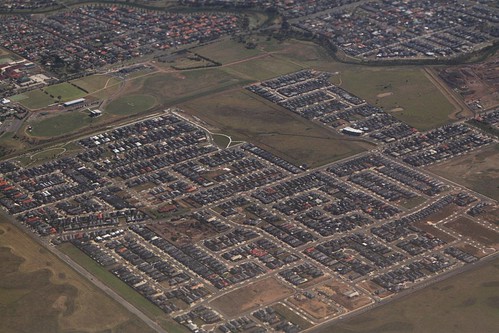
(340, 293)
(245, 116)
(426, 227)
(291, 316)
(468, 302)
(251, 297)
(39, 293)
(172, 88)
(316, 308)
(478, 170)
(60, 124)
(475, 231)
(491, 215)
(408, 93)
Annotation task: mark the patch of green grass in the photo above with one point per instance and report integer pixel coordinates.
(36, 99)
(220, 140)
(5, 60)
(60, 124)
(66, 91)
(20, 293)
(132, 104)
(9, 144)
(110, 280)
(226, 51)
(264, 68)
(45, 155)
(18, 98)
(413, 202)
(96, 82)
(169, 87)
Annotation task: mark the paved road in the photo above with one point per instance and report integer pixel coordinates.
(151, 323)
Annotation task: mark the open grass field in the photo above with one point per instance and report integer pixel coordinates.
(60, 124)
(407, 93)
(475, 231)
(39, 293)
(245, 116)
(172, 88)
(66, 91)
(226, 51)
(468, 302)
(96, 82)
(132, 104)
(263, 68)
(251, 297)
(35, 99)
(477, 170)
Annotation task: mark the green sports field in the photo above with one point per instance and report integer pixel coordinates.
(35, 99)
(60, 124)
(132, 104)
(66, 91)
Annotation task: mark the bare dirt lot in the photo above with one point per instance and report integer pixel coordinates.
(472, 250)
(491, 215)
(344, 295)
(477, 82)
(478, 170)
(251, 297)
(434, 231)
(184, 232)
(475, 231)
(316, 308)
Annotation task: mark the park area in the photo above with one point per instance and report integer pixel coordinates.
(60, 124)
(129, 105)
